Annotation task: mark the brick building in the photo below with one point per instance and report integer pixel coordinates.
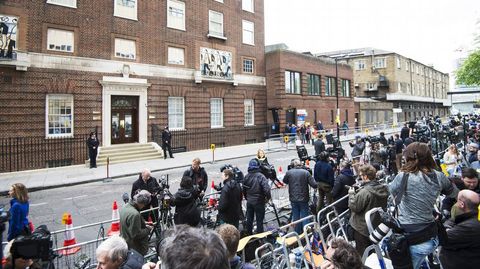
(301, 88)
(392, 88)
(127, 67)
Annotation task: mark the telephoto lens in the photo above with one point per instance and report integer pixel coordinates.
(379, 233)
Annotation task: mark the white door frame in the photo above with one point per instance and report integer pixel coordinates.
(124, 86)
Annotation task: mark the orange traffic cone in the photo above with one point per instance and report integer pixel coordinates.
(212, 201)
(69, 238)
(280, 171)
(115, 227)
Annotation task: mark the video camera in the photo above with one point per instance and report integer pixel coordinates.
(237, 173)
(38, 245)
(373, 139)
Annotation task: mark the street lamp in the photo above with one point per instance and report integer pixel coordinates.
(337, 118)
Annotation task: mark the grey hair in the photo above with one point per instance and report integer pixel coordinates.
(142, 197)
(296, 162)
(115, 248)
(202, 249)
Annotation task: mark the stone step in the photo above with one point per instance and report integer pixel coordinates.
(130, 158)
(128, 153)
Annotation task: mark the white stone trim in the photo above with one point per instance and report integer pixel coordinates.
(124, 86)
(405, 97)
(73, 63)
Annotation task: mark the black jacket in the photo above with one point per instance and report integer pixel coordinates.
(186, 209)
(323, 172)
(200, 178)
(166, 137)
(358, 148)
(404, 133)
(151, 186)
(448, 202)
(463, 247)
(298, 180)
(319, 146)
(345, 178)
(134, 260)
(399, 146)
(92, 144)
(255, 188)
(230, 204)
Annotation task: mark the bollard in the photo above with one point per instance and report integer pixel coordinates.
(108, 179)
(212, 147)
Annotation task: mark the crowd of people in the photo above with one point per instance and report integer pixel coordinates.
(415, 190)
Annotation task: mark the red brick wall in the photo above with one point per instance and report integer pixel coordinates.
(277, 62)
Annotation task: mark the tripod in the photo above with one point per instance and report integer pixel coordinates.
(165, 216)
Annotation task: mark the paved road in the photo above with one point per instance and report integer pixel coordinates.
(92, 202)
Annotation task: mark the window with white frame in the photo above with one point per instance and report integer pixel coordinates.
(248, 32)
(65, 3)
(360, 65)
(176, 14)
(248, 5)
(215, 23)
(345, 88)
(176, 56)
(406, 66)
(399, 63)
(371, 86)
(176, 113)
(380, 62)
(60, 40)
(399, 86)
(417, 68)
(59, 115)
(125, 9)
(216, 112)
(248, 65)
(249, 112)
(330, 86)
(292, 82)
(125, 48)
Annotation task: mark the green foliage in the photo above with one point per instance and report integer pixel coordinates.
(469, 72)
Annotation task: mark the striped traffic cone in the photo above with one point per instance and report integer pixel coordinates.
(212, 201)
(115, 227)
(69, 238)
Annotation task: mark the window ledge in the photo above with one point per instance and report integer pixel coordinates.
(217, 127)
(216, 36)
(250, 125)
(62, 5)
(49, 136)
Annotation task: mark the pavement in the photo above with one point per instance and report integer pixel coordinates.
(49, 178)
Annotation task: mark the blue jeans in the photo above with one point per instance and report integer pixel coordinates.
(421, 251)
(257, 211)
(299, 211)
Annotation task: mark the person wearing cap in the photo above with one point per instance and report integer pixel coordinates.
(92, 143)
(132, 226)
(166, 142)
(257, 193)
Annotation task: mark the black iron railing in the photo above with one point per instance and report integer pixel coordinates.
(25, 153)
(197, 139)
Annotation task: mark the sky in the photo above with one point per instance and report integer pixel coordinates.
(429, 31)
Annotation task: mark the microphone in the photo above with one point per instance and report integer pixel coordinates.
(125, 198)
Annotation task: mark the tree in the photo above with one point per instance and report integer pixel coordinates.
(469, 72)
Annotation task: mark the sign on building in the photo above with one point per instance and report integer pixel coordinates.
(216, 63)
(8, 36)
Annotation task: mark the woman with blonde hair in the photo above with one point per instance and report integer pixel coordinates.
(261, 157)
(19, 207)
(452, 158)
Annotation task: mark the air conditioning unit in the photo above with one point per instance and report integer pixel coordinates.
(357, 85)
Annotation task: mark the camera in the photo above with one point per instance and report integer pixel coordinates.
(373, 139)
(38, 245)
(237, 173)
(4, 215)
(386, 223)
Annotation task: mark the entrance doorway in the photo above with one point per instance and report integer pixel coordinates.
(291, 116)
(124, 119)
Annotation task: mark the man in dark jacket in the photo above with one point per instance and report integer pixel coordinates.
(166, 142)
(257, 193)
(405, 132)
(132, 226)
(185, 202)
(113, 253)
(298, 180)
(230, 204)
(323, 174)
(398, 152)
(199, 175)
(340, 189)
(463, 245)
(469, 181)
(372, 194)
(319, 145)
(146, 182)
(357, 151)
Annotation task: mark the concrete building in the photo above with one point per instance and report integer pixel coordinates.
(126, 68)
(301, 89)
(405, 88)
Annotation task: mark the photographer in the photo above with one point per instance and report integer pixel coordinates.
(146, 182)
(185, 202)
(398, 152)
(230, 204)
(357, 151)
(261, 157)
(199, 175)
(319, 145)
(113, 253)
(345, 178)
(323, 174)
(132, 226)
(19, 207)
(421, 185)
(452, 158)
(19, 263)
(298, 180)
(382, 139)
(372, 194)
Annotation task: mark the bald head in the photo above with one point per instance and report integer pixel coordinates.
(470, 199)
(146, 174)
